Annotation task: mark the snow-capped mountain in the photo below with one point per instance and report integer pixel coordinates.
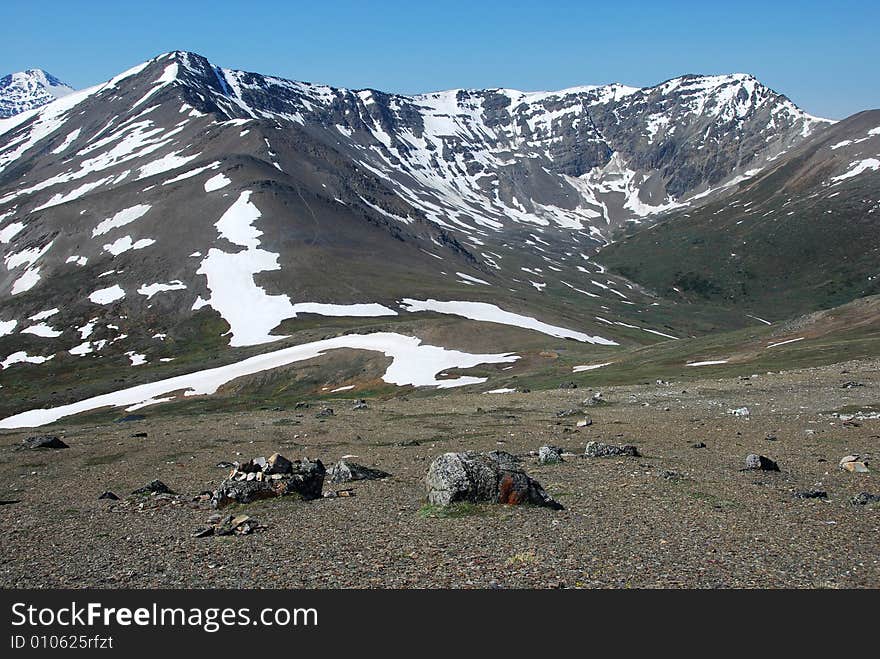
(29, 89)
(182, 208)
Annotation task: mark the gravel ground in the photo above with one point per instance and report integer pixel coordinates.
(627, 522)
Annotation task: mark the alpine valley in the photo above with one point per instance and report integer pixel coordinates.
(190, 236)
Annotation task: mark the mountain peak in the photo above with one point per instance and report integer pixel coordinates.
(26, 90)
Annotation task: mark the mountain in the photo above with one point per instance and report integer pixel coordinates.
(27, 90)
(798, 237)
(183, 215)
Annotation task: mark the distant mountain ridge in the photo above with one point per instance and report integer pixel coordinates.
(27, 90)
(182, 209)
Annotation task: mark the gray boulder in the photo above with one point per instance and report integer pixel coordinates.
(602, 450)
(343, 472)
(494, 477)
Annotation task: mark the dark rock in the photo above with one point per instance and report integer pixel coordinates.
(568, 385)
(602, 450)
(343, 472)
(494, 477)
(760, 462)
(549, 455)
(139, 435)
(865, 498)
(811, 494)
(360, 404)
(108, 495)
(304, 478)
(595, 400)
(699, 445)
(326, 412)
(154, 487)
(301, 406)
(561, 414)
(225, 464)
(44, 441)
(203, 532)
(409, 442)
(670, 475)
(851, 385)
(770, 437)
(278, 464)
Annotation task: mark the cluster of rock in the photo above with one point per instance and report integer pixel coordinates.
(494, 477)
(263, 478)
(228, 525)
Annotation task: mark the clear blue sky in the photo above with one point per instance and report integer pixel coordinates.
(822, 54)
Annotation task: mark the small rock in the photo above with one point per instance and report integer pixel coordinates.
(561, 414)
(811, 494)
(215, 518)
(568, 385)
(760, 462)
(549, 455)
(739, 411)
(44, 441)
(855, 467)
(203, 532)
(108, 495)
(595, 400)
(139, 435)
(770, 437)
(851, 385)
(326, 412)
(865, 498)
(225, 464)
(670, 475)
(154, 487)
(698, 445)
(409, 442)
(360, 404)
(343, 472)
(583, 423)
(602, 450)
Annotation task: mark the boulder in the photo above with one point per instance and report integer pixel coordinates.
(602, 450)
(548, 455)
(108, 495)
(343, 472)
(44, 441)
(760, 462)
(494, 477)
(302, 477)
(854, 464)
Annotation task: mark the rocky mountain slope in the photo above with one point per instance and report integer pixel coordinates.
(183, 215)
(27, 90)
(800, 236)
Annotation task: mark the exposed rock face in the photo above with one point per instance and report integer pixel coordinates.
(265, 479)
(343, 472)
(494, 477)
(44, 441)
(602, 450)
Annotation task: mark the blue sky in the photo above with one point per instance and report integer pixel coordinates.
(823, 55)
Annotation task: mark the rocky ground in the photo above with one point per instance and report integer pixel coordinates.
(682, 514)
